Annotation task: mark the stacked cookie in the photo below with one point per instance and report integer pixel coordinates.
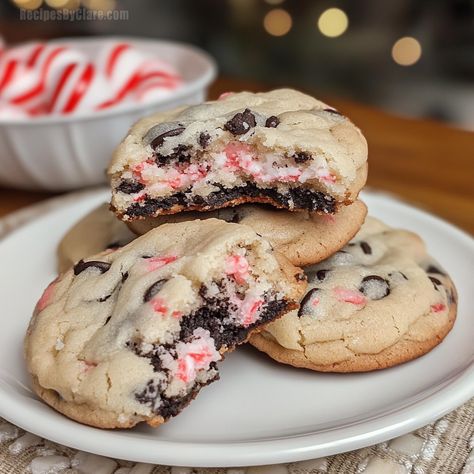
(231, 221)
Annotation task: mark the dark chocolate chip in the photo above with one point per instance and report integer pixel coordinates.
(433, 269)
(80, 266)
(107, 320)
(302, 156)
(435, 282)
(322, 274)
(272, 122)
(306, 303)
(159, 140)
(113, 245)
(366, 248)
(204, 139)
(130, 187)
(374, 287)
(124, 277)
(241, 123)
(153, 290)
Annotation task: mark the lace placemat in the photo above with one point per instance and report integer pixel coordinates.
(443, 447)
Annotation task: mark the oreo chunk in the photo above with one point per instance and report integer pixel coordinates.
(301, 157)
(204, 139)
(272, 122)
(306, 304)
(374, 287)
(80, 266)
(366, 248)
(153, 290)
(241, 123)
(130, 187)
(181, 154)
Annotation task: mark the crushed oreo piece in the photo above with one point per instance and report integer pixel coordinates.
(204, 139)
(302, 156)
(241, 123)
(180, 154)
(80, 266)
(272, 122)
(153, 290)
(374, 287)
(130, 187)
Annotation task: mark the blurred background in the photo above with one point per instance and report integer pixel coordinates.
(411, 57)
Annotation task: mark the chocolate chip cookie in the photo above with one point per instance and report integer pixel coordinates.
(380, 301)
(282, 148)
(133, 335)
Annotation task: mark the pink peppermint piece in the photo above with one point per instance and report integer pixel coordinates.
(224, 95)
(329, 218)
(238, 154)
(139, 169)
(315, 301)
(349, 296)
(88, 365)
(46, 297)
(238, 267)
(249, 311)
(140, 197)
(438, 307)
(154, 263)
(195, 355)
(158, 305)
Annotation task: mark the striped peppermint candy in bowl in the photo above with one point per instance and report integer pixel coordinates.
(65, 105)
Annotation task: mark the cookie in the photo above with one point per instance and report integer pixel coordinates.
(380, 301)
(303, 237)
(99, 230)
(282, 148)
(133, 335)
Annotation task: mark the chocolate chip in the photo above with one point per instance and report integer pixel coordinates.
(159, 140)
(433, 269)
(333, 111)
(241, 123)
(306, 303)
(204, 139)
(113, 245)
(272, 122)
(124, 277)
(80, 266)
(130, 187)
(301, 157)
(321, 274)
(153, 290)
(107, 320)
(366, 248)
(374, 287)
(435, 282)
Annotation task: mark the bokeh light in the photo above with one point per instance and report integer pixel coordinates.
(57, 3)
(28, 4)
(333, 22)
(100, 5)
(406, 51)
(277, 22)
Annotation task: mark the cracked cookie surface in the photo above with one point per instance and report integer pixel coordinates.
(133, 334)
(282, 148)
(378, 302)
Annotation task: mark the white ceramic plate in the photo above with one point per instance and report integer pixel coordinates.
(259, 412)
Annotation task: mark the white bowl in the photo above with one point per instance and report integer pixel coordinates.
(62, 153)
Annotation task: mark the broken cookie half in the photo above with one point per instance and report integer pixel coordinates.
(282, 148)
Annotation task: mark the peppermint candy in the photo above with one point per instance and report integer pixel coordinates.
(49, 78)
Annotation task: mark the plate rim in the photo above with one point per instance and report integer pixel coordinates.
(446, 396)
